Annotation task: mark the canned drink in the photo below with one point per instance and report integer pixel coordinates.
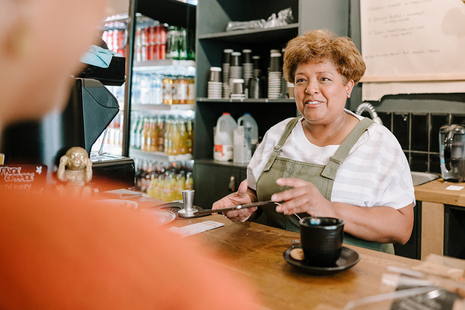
(138, 54)
(138, 38)
(162, 33)
(120, 41)
(148, 52)
(156, 35)
(161, 51)
(146, 36)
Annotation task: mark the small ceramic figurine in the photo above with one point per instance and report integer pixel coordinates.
(75, 169)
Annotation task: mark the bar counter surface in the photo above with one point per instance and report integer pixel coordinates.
(256, 251)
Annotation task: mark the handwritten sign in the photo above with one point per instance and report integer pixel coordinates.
(413, 40)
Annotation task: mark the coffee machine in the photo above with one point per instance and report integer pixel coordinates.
(452, 152)
(90, 109)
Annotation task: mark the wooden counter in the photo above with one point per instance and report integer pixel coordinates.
(433, 196)
(256, 251)
(436, 192)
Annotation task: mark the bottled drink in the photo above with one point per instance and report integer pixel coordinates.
(152, 142)
(189, 181)
(189, 136)
(144, 177)
(174, 137)
(133, 134)
(190, 90)
(182, 44)
(168, 186)
(166, 88)
(145, 135)
(138, 174)
(181, 89)
(174, 43)
(151, 190)
(168, 141)
(181, 136)
(138, 133)
(180, 184)
(174, 90)
(161, 134)
(160, 186)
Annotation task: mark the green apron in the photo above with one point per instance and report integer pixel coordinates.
(321, 176)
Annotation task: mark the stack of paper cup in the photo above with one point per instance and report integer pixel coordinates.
(247, 66)
(235, 68)
(237, 89)
(214, 85)
(274, 76)
(226, 64)
(256, 66)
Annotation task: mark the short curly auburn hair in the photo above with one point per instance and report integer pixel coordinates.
(321, 45)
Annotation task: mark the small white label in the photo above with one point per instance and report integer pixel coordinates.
(454, 188)
(195, 228)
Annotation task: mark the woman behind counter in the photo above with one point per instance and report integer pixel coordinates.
(329, 162)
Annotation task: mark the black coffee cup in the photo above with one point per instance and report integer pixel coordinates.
(321, 239)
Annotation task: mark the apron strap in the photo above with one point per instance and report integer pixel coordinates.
(343, 150)
(277, 149)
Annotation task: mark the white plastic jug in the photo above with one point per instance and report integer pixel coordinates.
(242, 145)
(223, 149)
(247, 121)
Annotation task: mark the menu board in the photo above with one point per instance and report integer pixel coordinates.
(414, 41)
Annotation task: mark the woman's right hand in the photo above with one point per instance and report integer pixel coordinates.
(234, 199)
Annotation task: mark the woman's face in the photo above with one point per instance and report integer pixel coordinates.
(320, 92)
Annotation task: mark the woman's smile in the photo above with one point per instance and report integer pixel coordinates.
(320, 91)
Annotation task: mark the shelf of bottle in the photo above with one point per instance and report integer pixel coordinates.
(151, 64)
(163, 107)
(158, 156)
(259, 100)
(254, 35)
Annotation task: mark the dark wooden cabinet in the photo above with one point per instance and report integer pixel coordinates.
(454, 231)
(213, 181)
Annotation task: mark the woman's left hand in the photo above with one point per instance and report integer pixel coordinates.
(304, 197)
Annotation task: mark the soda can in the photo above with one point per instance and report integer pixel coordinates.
(161, 51)
(148, 52)
(162, 34)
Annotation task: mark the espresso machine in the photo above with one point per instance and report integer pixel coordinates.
(452, 152)
(39, 145)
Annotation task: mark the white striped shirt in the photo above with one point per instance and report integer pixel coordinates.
(375, 173)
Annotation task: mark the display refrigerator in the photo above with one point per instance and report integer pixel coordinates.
(155, 124)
